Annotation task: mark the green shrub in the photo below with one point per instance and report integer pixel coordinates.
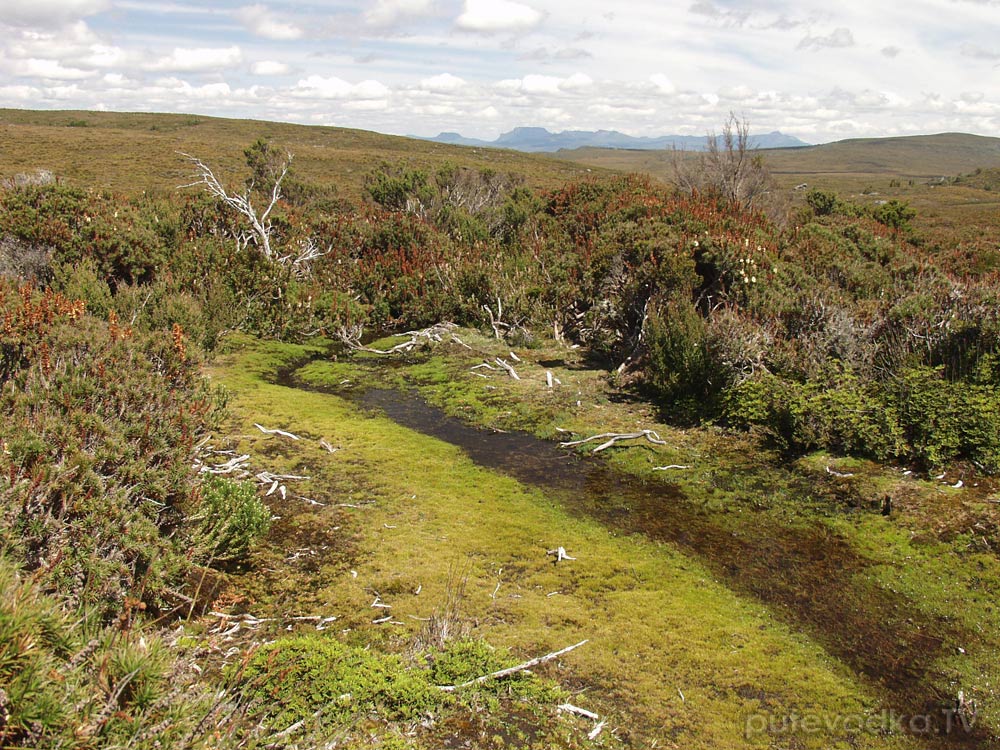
(682, 369)
(944, 420)
(822, 202)
(230, 518)
(69, 684)
(101, 423)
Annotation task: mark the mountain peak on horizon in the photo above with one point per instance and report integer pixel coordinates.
(539, 139)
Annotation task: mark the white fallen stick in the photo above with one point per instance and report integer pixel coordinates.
(512, 670)
(266, 431)
(560, 553)
(515, 357)
(508, 367)
(265, 476)
(233, 464)
(671, 466)
(327, 447)
(596, 730)
(613, 437)
(311, 501)
(548, 378)
(570, 708)
(835, 473)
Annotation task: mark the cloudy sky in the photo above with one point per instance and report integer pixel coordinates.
(816, 69)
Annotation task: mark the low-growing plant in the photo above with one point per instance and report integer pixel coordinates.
(288, 680)
(228, 521)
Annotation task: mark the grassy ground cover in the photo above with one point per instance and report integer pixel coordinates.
(679, 653)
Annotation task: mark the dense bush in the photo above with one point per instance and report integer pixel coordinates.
(691, 295)
(78, 686)
(100, 424)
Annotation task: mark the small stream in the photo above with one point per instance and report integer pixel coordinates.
(808, 576)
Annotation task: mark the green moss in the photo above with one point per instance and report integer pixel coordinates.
(290, 679)
(659, 622)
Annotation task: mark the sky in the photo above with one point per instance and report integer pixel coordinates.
(815, 69)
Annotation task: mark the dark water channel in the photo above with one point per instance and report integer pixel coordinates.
(809, 577)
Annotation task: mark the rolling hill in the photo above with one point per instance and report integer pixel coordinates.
(131, 152)
(846, 164)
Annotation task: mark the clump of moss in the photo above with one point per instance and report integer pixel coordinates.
(290, 679)
(298, 678)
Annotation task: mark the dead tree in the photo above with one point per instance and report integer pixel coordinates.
(730, 166)
(243, 203)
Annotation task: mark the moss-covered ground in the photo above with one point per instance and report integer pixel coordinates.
(749, 600)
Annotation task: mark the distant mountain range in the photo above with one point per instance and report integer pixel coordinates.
(541, 140)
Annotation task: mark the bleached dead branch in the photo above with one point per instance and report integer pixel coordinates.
(611, 438)
(242, 203)
(434, 334)
(266, 431)
(570, 708)
(560, 553)
(512, 670)
(508, 367)
(233, 465)
(496, 321)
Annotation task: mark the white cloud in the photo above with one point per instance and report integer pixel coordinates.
(537, 85)
(839, 37)
(47, 13)
(263, 22)
(734, 17)
(51, 69)
(391, 12)
(270, 68)
(490, 16)
(367, 105)
(663, 83)
(445, 83)
(970, 49)
(337, 88)
(576, 82)
(182, 88)
(193, 60)
(735, 92)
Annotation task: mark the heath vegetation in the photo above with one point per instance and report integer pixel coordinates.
(832, 323)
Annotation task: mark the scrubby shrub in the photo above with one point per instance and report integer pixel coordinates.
(99, 428)
(66, 683)
(229, 519)
(682, 370)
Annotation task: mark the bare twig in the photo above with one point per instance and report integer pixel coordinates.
(512, 670)
(560, 553)
(570, 708)
(242, 203)
(276, 432)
